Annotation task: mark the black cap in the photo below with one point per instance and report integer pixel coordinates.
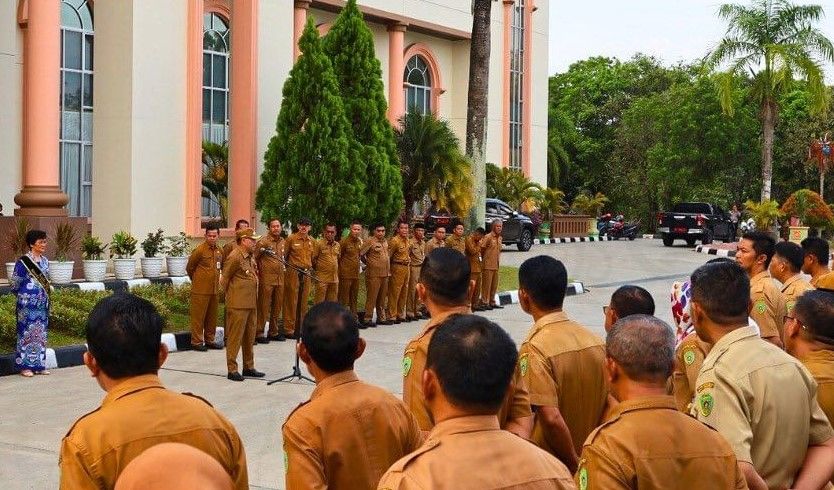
(305, 221)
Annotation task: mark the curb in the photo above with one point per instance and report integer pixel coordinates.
(720, 252)
(576, 239)
(115, 285)
(511, 297)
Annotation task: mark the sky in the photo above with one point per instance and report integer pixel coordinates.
(671, 30)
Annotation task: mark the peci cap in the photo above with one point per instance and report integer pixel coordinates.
(305, 221)
(247, 233)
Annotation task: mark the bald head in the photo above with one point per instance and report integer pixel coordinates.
(643, 347)
(173, 466)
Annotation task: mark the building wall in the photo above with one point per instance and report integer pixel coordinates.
(11, 105)
(538, 107)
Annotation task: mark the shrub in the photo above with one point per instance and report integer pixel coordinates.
(123, 245)
(154, 244)
(92, 248)
(810, 208)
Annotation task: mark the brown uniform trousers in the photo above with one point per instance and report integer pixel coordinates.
(792, 290)
(349, 272)
(347, 435)
(647, 442)
(473, 453)
(398, 251)
(375, 253)
(769, 307)
(456, 243)
(298, 251)
(135, 415)
(240, 281)
(563, 365)
(473, 253)
(326, 265)
(416, 255)
(689, 357)
(203, 269)
(271, 285)
(491, 253)
(516, 406)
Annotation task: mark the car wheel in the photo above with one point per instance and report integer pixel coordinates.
(690, 242)
(668, 241)
(525, 241)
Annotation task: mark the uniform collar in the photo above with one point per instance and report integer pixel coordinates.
(210, 246)
(793, 279)
(436, 320)
(726, 341)
(333, 381)
(132, 385)
(550, 318)
(760, 276)
(463, 425)
(643, 403)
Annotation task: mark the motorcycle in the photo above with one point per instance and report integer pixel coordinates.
(621, 229)
(604, 222)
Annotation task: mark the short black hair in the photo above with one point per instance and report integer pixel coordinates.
(445, 274)
(792, 253)
(377, 225)
(439, 227)
(632, 300)
(356, 222)
(474, 360)
(329, 224)
(400, 223)
(331, 334)
(644, 346)
(763, 244)
(269, 223)
(545, 279)
(815, 309)
(817, 247)
(418, 226)
(32, 236)
(723, 290)
(480, 230)
(212, 227)
(123, 335)
(241, 222)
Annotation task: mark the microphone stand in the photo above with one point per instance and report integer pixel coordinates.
(296, 369)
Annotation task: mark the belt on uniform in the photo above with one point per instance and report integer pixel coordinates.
(401, 263)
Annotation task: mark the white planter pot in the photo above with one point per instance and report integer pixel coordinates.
(9, 270)
(60, 272)
(124, 268)
(152, 266)
(176, 266)
(95, 270)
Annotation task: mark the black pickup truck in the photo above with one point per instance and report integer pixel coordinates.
(693, 221)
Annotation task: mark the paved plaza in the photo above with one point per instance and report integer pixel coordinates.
(36, 413)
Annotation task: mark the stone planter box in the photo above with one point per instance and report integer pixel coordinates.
(176, 266)
(152, 266)
(571, 225)
(61, 272)
(124, 269)
(95, 270)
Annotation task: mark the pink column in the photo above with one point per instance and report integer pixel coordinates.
(243, 118)
(506, 57)
(527, 91)
(396, 67)
(193, 118)
(41, 193)
(300, 19)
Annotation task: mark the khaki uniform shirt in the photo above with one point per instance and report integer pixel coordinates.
(769, 307)
(689, 357)
(815, 280)
(456, 243)
(563, 365)
(416, 252)
(473, 253)
(240, 280)
(270, 268)
(434, 243)
(414, 362)
(398, 250)
(298, 250)
(490, 251)
(228, 247)
(821, 366)
(203, 269)
(326, 259)
(375, 253)
(349, 257)
(763, 402)
(347, 435)
(793, 289)
(473, 453)
(139, 413)
(647, 443)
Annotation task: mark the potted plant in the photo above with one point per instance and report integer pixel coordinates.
(178, 250)
(765, 214)
(552, 203)
(122, 249)
(590, 206)
(60, 269)
(17, 243)
(152, 245)
(92, 250)
(807, 210)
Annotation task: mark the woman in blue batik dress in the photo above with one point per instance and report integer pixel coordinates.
(31, 286)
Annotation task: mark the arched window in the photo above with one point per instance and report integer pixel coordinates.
(418, 86)
(216, 49)
(76, 136)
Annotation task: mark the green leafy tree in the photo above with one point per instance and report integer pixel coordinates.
(350, 46)
(308, 169)
(560, 134)
(511, 186)
(216, 177)
(777, 42)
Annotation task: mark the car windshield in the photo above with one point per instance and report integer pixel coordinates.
(692, 208)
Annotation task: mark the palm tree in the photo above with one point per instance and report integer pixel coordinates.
(560, 129)
(511, 186)
(776, 41)
(432, 164)
(216, 177)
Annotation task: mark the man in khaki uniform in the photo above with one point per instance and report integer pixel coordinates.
(755, 250)
(298, 251)
(689, 357)
(470, 365)
(349, 267)
(203, 269)
(815, 261)
(457, 240)
(785, 267)
(326, 265)
(398, 251)
(562, 363)
(627, 300)
(240, 282)
(632, 448)
(437, 240)
(374, 253)
(491, 254)
(754, 394)
(416, 256)
(444, 288)
(472, 250)
(240, 224)
(349, 432)
(269, 252)
(124, 357)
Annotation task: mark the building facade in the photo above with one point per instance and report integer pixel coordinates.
(104, 104)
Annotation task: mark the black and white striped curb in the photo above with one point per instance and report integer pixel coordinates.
(574, 239)
(720, 252)
(114, 284)
(511, 297)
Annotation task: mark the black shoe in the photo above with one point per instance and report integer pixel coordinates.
(363, 325)
(290, 336)
(497, 307)
(409, 318)
(277, 338)
(200, 348)
(371, 324)
(387, 322)
(262, 340)
(212, 346)
(398, 321)
(234, 376)
(253, 373)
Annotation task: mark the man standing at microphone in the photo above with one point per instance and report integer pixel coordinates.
(268, 254)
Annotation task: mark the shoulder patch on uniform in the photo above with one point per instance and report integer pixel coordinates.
(761, 306)
(689, 356)
(524, 364)
(789, 305)
(407, 362)
(706, 403)
(583, 478)
(704, 386)
(192, 395)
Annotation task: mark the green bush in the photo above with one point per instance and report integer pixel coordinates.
(8, 322)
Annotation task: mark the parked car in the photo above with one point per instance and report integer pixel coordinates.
(691, 221)
(518, 229)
